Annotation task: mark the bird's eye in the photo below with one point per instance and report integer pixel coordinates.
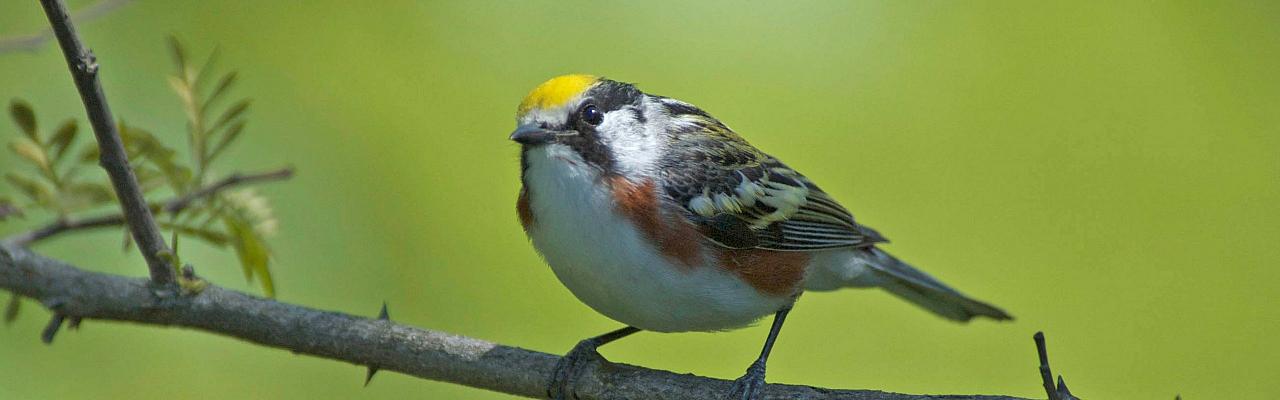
(592, 115)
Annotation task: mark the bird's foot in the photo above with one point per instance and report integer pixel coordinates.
(748, 386)
(570, 367)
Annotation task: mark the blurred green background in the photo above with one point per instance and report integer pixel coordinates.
(1106, 171)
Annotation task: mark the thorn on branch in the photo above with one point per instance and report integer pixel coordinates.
(1060, 391)
(382, 315)
(11, 309)
(373, 368)
(51, 329)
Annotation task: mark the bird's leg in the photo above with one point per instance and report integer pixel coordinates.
(572, 365)
(748, 386)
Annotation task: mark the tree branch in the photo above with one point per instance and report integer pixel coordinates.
(33, 41)
(171, 206)
(72, 293)
(1055, 392)
(84, 70)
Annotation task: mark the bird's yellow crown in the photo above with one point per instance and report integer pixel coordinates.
(556, 92)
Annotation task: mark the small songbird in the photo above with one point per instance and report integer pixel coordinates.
(657, 215)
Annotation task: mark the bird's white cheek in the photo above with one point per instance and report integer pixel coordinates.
(635, 148)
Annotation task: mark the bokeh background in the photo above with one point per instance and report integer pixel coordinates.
(1106, 171)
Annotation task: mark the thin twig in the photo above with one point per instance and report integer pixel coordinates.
(84, 70)
(171, 206)
(1055, 392)
(51, 329)
(365, 341)
(235, 179)
(33, 41)
(1046, 374)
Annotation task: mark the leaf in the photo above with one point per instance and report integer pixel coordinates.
(233, 112)
(185, 93)
(11, 309)
(249, 220)
(39, 192)
(179, 56)
(25, 118)
(211, 236)
(220, 89)
(177, 258)
(254, 208)
(202, 74)
(149, 178)
(90, 155)
(140, 143)
(31, 151)
(143, 146)
(84, 195)
(252, 250)
(176, 175)
(230, 136)
(62, 138)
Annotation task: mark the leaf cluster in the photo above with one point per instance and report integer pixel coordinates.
(56, 183)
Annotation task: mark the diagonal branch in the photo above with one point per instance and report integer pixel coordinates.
(174, 205)
(84, 71)
(33, 41)
(73, 293)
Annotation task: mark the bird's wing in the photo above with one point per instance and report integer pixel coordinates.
(744, 198)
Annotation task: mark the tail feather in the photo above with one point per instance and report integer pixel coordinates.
(918, 287)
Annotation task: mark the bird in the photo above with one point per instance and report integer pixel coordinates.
(659, 216)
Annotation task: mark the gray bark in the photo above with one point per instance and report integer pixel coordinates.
(73, 293)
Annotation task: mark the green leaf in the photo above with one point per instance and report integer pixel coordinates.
(62, 138)
(220, 89)
(89, 155)
(252, 250)
(31, 151)
(231, 134)
(11, 309)
(26, 119)
(84, 195)
(176, 175)
(184, 92)
(233, 112)
(38, 191)
(142, 147)
(254, 208)
(202, 74)
(211, 236)
(140, 143)
(149, 178)
(179, 56)
(177, 257)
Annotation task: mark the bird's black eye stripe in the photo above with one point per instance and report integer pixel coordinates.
(591, 114)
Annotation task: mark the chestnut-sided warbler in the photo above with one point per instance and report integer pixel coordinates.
(657, 215)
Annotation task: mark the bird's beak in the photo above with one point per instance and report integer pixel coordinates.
(532, 135)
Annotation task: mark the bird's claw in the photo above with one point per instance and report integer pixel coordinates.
(748, 386)
(570, 367)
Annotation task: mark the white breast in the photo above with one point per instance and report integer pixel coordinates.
(606, 262)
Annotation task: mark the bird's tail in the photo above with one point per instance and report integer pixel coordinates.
(918, 287)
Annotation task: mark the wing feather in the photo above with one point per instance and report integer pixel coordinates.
(715, 174)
